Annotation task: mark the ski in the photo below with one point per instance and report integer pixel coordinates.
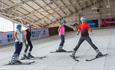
(23, 63)
(74, 58)
(61, 52)
(35, 58)
(96, 57)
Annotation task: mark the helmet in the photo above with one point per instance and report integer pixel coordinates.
(83, 18)
(63, 21)
(18, 26)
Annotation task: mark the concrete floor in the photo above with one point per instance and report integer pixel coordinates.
(104, 40)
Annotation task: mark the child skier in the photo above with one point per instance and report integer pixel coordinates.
(61, 32)
(28, 43)
(18, 45)
(83, 28)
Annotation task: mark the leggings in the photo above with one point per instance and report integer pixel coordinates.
(88, 39)
(28, 45)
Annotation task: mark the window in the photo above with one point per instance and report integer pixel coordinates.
(7, 25)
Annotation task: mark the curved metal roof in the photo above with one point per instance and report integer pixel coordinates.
(45, 12)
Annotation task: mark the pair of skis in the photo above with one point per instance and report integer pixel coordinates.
(26, 63)
(75, 58)
(22, 63)
(35, 58)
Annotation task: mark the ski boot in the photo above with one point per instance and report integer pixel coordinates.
(30, 56)
(25, 57)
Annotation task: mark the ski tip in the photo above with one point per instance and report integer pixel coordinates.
(86, 60)
(97, 57)
(77, 60)
(106, 54)
(74, 58)
(32, 62)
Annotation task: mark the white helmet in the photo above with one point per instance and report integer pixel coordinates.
(83, 18)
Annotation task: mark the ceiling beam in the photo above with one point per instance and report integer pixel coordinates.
(77, 1)
(59, 7)
(51, 8)
(16, 5)
(66, 6)
(45, 11)
(73, 5)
